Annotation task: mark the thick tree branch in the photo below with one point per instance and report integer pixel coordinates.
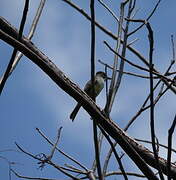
(9, 35)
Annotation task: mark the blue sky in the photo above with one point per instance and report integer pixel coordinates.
(30, 99)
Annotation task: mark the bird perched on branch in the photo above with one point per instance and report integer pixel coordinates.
(99, 80)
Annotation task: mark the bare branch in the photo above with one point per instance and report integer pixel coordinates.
(144, 107)
(127, 73)
(63, 153)
(31, 33)
(137, 66)
(115, 154)
(152, 121)
(112, 88)
(147, 19)
(28, 49)
(127, 173)
(109, 10)
(48, 161)
(173, 48)
(23, 20)
(27, 177)
(55, 145)
(163, 78)
(74, 169)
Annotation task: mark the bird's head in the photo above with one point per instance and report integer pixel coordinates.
(103, 75)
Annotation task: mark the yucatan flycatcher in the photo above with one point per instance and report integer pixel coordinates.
(99, 80)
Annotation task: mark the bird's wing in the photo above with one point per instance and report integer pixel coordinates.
(88, 87)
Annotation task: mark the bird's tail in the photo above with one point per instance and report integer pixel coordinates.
(74, 112)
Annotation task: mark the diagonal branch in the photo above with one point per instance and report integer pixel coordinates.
(126, 142)
(23, 20)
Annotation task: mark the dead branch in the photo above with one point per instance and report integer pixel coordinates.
(9, 35)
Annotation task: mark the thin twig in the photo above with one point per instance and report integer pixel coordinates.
(115, 82)
(63, 153)
(89, 174)
(41, 161)
(81, 11)
(92, 10)
(9, 165)
(115, 154)
(117, 173)
(129, 62)
(147, 19)
(55, 145)
(173, 48)
(143, 108)
(127, 73)
(9, 150)
(106, 71)
(112, 91)
(27, 177)
(23, 20)
(152, 121)
(74, 169)
(127, 173)
(162, 77)
(61, 169)
(31, 33)
(100, 140)
(132, 42)
(109, 10)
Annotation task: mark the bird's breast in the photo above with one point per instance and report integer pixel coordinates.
(99, 85)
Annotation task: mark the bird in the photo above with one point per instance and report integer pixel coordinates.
(99, 81)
